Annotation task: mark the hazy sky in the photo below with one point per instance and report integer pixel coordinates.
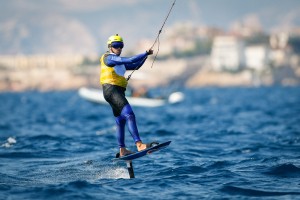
(70, 26)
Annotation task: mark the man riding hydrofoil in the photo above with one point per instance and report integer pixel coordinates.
(113, 68)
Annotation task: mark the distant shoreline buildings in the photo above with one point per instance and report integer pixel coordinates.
(243, 56)
(268, 59)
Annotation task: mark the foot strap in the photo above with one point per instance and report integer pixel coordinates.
(152, 144)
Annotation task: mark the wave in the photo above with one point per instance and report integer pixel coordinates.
(233, 190)
(284, 170)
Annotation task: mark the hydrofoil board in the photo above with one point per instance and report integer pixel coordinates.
(142, 153)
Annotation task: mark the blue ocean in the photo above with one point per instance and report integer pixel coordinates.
(227, 143)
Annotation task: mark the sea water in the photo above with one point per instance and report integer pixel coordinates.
(227, 143)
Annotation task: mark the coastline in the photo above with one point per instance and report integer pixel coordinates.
(193, 72)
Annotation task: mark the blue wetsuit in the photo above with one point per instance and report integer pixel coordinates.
(115, 95)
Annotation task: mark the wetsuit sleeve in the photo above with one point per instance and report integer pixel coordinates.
(135, 66)
(112, 60)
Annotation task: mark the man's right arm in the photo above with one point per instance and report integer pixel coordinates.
(112, 60)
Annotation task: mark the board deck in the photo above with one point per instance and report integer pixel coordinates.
(143, 152)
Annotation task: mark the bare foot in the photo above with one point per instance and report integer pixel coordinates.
(141, 146)
(124, 152)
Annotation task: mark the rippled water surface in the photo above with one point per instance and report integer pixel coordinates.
(237, 143)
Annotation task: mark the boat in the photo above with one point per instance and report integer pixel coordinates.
(96, 96)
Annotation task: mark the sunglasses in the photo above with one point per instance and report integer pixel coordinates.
(117, 45)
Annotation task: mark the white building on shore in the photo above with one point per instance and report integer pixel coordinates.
(257, 57)
(227, 54)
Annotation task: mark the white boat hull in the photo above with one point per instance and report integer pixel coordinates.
(96, 96)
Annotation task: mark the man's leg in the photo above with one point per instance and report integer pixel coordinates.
(121, 121)
(129, 115)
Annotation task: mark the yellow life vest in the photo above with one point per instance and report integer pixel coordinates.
(109, 76)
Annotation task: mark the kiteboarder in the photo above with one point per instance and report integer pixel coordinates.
(113, 68)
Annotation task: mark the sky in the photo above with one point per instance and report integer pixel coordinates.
(82, 27)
